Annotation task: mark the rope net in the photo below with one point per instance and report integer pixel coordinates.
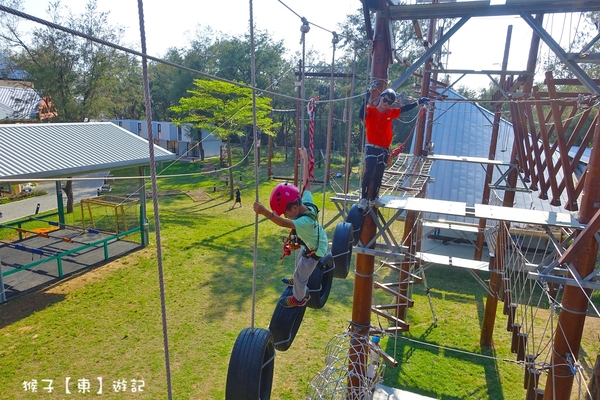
(533, 306)
(346, 357)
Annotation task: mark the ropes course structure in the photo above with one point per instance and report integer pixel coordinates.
(548, 277)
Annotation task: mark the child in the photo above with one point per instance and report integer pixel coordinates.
(300, 215)
(238, 197)
(378, 124)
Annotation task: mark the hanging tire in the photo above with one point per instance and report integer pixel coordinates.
(356, 217)
(251, 366)
(341, 249)
(285, 322)
(320, 281)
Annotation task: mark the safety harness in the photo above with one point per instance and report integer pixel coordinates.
(293, 242)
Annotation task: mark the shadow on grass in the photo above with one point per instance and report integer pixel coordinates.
(24, 306)
(492, 388)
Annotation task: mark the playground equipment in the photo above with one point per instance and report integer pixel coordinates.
(110, 213)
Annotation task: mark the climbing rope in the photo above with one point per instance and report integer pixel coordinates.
(256, 161)
(155, 199)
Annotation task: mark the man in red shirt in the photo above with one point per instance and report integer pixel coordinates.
(378, 124)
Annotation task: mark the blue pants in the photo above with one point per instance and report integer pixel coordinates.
(376, 160)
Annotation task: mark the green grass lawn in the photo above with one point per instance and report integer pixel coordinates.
(106, 323)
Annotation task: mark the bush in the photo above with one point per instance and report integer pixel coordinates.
(22, 195)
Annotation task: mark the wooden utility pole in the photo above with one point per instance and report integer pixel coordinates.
(334, 41)
(347, 167)
(497, 262)
(495, 285)
(270, 140)
(365, 264)
(298, 120)
(485, 198)
(412, 228)
(567, 338)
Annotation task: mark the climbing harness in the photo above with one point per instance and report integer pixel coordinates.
(293, 242)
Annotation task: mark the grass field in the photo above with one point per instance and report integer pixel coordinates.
(106, 323)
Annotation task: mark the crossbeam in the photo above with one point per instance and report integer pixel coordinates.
(484, 9)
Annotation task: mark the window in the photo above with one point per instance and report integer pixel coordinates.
(121, 124)
(159, 130)
(139, 129)
(179, 133)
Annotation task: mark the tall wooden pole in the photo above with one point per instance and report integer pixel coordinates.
(497, 263)
(365, 264)
(299, 106)
(485, 198)
(334, 41)
(347, 168)
(270, 139)
(567, 338)
(412, 228)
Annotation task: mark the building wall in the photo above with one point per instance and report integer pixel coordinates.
(170, 133)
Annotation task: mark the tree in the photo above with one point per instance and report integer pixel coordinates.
(169, 84)
(224, 109)
(230, 59)
(84, 79)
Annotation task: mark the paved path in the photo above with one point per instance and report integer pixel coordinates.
(24, 208)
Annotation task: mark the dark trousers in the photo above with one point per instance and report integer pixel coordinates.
(376, 160)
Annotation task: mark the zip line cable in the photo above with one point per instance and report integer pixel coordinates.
(141, 54)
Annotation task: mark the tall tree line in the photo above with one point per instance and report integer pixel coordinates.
(88, 80)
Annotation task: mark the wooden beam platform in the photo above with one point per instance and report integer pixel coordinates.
(484, 9)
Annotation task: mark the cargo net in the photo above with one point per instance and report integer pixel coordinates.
(353, 368)
(110, 214)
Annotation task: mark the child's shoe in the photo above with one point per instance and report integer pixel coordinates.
(288, 281)
(290, 301)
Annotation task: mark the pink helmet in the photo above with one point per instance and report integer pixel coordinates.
(282, 195)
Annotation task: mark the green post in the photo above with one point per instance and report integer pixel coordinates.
(59, 203)
(143, 219)
(59, 263)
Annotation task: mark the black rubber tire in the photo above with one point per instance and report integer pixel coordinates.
(285, 323)
(319, 283)
(341, 249)
(251, 366)
(356, 217)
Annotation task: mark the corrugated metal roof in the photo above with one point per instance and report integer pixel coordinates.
(10, 71)
(462, 128)
(30, 151)
(24, 103)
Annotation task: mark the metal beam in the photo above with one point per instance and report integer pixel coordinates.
(560, 53)
(584, 58)
(428, 54)
(484, 9)
(482, 72)
(564, 281)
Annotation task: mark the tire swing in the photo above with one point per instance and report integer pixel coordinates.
(341, 249)
(357, 218)
(250, 373)
(285, 322)
(320, 281)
